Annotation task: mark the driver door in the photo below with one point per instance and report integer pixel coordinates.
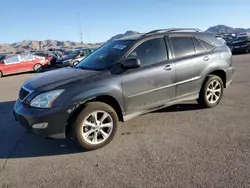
(151, 85)
(12, 65)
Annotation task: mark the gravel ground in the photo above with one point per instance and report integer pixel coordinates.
(180, 146)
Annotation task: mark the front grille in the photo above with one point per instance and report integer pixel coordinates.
(23, 93)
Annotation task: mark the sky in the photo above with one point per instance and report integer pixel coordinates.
(102, 19)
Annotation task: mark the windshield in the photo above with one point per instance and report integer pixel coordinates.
(105, 56)
(74, 53)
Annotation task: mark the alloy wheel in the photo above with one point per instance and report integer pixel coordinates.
(38, 67)
(213, 92)
(97, 127)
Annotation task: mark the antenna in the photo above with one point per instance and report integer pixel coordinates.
(80, 27)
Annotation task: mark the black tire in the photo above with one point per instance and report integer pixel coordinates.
(88, 109)
(38, 68)
(203, 100)
(1, 74)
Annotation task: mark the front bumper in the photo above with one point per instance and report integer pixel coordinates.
(56, 119)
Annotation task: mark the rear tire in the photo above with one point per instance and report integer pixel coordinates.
(1, 74)
(91, 130)
(211, 92)
(37, 68)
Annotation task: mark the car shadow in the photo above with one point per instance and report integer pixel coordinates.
(180, 108)
(16, 142)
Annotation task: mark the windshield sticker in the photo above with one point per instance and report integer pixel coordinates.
(119, 46)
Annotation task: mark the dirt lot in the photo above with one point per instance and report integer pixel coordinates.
(180, 146)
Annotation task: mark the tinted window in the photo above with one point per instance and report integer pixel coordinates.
(206, 45)
(241, 38)
(85, 52)
(106, 56)
(198, 47)
(12, 59)
(2, 57)
(74, 53)
(150, 52)
(182, 46)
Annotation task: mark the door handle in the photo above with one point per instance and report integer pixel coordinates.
(206, 58)
(168, 67)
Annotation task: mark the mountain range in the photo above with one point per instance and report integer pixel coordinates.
(27, 45)
(38, 45)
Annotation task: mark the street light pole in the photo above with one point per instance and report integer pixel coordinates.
(80, 27)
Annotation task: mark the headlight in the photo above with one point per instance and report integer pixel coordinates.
(45, 100)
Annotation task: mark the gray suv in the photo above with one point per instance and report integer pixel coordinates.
(122, 79)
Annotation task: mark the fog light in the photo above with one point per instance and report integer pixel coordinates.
(40, 125)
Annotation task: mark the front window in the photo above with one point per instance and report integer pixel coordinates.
(150, 52)
(11, 60)
(106, 56)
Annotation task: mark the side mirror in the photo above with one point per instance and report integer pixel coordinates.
(132, 63)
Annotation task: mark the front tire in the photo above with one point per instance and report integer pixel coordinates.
(211, 92)
(95, 126)
(1, 74)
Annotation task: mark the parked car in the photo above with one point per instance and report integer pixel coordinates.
(241, 44)
(73, 58)
(22, 63)
(2, 57)
(123, 79)
(83, 54)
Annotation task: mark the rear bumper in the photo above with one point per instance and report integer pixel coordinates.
(230, 74)
(240, 49)
(55, 118)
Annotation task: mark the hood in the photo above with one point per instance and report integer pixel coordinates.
(55, 78)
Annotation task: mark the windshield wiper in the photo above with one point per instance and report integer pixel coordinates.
(87, 68)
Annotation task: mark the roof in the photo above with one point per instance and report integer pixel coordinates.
(131, 37)
(176, 31)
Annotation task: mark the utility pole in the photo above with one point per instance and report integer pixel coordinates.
(80, 27)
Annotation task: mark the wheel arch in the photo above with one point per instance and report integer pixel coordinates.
(105, 98)
(217, 72)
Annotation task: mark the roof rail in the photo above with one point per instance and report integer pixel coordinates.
(172, 30)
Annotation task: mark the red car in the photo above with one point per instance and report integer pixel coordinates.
(22, 63)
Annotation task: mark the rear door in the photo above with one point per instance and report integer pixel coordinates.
(27, 62)
(191, 60)
(151, 85)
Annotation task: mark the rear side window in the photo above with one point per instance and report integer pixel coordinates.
(209, 47)
(198, 47)
(182, 46)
